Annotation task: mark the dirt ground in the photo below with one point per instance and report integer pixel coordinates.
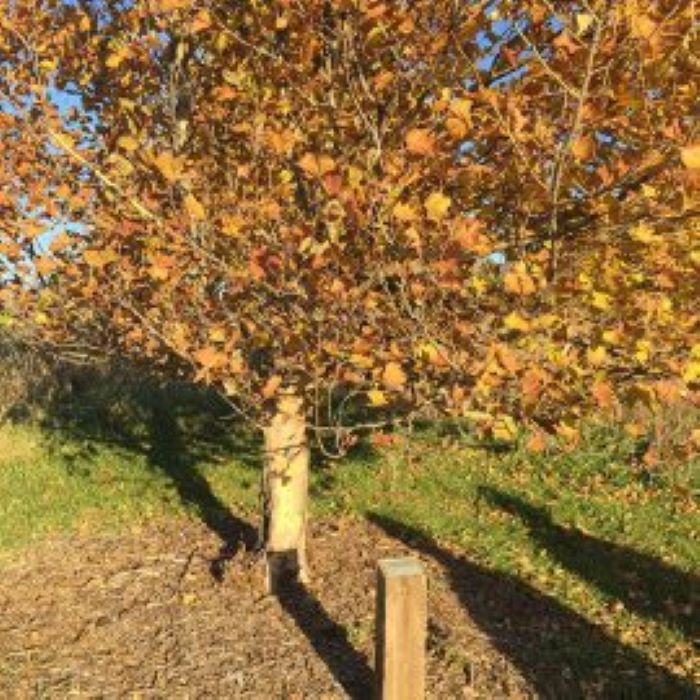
(159, 613)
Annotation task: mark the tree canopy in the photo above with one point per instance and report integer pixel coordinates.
(484, 209)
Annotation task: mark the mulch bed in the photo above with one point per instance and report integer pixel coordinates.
(156, 613)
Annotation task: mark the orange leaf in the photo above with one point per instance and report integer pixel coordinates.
(420, 142)
(603, 394)
(202, 20)
(518, 281)
(507, 359)
(393, 376)
(315, 165)
(537, 442)
(456, 127)
(210, 358)
(271, 386)
(582, 148)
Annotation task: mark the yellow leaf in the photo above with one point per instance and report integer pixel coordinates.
(231, 224)
(462, 109)
(159, 272)
(172, 5)
(194, 207)
(644, 234)
(568, 432)
(169, 166)
(515, 322)
(612, 337)
(217, 334)
(598, 355)
(393, 376)
(128, 143)
(504, 428)
(404, 212)
(479, 285)
(363, 361)
(432, 353)
(583, 21)
(377, 397)
(600, 300)
(546, 320)
(477, 416)
(695, 438)
(49, 63)
(643, 351)
(437, 205)
(690, 155)
(117, 57)
(691, 372)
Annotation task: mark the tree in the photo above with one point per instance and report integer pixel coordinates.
(481, 209)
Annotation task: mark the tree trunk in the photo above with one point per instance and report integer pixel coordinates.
(286, 486)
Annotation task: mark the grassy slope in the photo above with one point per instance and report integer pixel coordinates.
(608, 540)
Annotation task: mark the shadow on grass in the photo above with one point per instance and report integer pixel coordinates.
(169, 453)
(559, 652)
(644, 584)
(177, 426)
(329, 639)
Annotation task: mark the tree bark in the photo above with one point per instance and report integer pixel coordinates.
(286, 486)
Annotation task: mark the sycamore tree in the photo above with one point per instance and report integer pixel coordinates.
(354, 210)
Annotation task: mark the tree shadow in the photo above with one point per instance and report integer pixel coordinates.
(329, 639)
(644, 584)
(176, 425)
(169, 453)
(559, 652)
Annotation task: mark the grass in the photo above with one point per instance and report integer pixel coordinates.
(611, 541)
(606, 539)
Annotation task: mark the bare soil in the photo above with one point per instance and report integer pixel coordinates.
(167, 612)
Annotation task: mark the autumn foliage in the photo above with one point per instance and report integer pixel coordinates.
(481, 209)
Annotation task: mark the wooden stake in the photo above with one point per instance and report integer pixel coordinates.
(287, 487)
(402, 614)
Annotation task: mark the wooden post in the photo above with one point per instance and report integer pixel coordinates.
(287, 488)
(402, 614)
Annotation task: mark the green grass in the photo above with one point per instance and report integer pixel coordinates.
(609, 541)
(606, 538)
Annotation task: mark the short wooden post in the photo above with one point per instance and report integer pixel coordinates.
(402, 613)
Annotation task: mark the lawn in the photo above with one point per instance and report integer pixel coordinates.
(606, 539)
